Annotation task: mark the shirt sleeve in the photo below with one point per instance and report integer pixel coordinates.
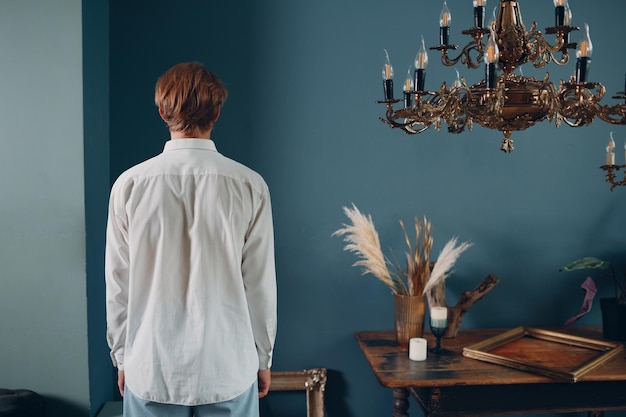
(259, 274)
(116, 279)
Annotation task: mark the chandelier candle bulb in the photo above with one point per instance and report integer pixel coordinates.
(490, 75)
(582, 64)
(439, 317)
(444, 35)
(457, 82)
(408, 87)
(407, 100)
(583, 53)
(421, 62)
(420, 79)
(387, 78)
(479, 13)
(493, 55)
(444, 25)
(568, 19)
(610, 155)
(559, 12)
(408, 83)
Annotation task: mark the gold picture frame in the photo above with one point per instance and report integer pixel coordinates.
(313, 381)
(509, 349)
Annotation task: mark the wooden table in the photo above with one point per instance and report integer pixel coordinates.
(456, 386)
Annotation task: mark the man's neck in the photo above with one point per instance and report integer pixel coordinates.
(182, 135)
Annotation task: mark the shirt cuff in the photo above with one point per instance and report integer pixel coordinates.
(265, 361)
(118, 361)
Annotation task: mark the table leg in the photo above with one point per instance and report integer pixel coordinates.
(401, 402)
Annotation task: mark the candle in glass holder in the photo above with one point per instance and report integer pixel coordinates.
(439, 317)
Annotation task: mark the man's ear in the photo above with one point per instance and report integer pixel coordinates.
(217, 114)
(162, 115)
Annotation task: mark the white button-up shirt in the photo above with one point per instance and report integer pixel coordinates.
(190, 277)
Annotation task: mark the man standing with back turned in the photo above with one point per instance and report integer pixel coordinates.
(190, 277)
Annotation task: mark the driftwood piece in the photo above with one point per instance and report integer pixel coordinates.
(437, 296)
(466, 301)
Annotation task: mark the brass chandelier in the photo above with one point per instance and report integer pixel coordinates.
(506, 102)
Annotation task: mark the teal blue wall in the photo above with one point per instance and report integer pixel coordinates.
(303, 80)
(43, 330)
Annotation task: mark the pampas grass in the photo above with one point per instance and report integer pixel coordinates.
(418, 257)
(445, 261)
(362, 239)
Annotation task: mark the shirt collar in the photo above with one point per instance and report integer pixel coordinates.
(202, 144)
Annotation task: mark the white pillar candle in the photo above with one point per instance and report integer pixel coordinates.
(610, 155)
(417, 349)
(610, 158)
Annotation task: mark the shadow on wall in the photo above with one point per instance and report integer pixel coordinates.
(60, 407)
(282, 403)
(336, 395)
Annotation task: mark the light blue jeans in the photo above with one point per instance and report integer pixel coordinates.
(245, 405)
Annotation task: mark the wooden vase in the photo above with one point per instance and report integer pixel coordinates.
(409, 311)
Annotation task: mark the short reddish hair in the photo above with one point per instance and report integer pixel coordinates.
(189, 97)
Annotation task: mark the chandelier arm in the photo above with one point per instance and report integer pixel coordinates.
(611, 176)
(558, 46)
(454, 112)
(564, 58)
(406, 127)
(430, 109)
(579, 104)
(615, 114)
(391, 116)
(542, 52)
(576, 123)
(465, 56)
(535, 41)
(409, 129)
